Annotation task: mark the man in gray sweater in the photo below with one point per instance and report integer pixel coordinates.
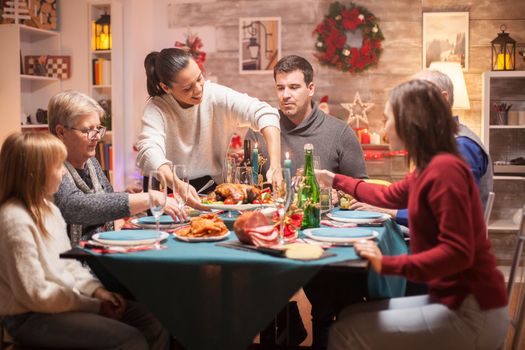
(339, 151)
(303, 122)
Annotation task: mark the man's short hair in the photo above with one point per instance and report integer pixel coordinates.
(440, 79)
(292, 63)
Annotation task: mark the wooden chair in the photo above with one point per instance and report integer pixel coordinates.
(516, 290)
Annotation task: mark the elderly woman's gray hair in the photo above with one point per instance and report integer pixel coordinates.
(65, 107)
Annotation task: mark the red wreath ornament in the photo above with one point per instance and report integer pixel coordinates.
(194, 45)
(332, 46)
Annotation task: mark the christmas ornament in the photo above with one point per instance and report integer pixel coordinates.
(357, 111)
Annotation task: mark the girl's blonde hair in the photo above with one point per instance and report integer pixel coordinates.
(26, 160)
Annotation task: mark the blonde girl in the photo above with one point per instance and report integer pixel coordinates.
(47, 301)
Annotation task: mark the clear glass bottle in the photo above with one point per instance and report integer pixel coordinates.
(308, 198)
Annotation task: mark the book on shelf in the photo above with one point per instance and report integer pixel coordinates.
(104, 155)
(101, 70)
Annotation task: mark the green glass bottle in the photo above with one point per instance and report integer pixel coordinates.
(309, 193)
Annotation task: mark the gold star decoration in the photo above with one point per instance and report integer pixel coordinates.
(357, 111)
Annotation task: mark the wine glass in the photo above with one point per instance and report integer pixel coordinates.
(282, 196)
(180, 171)
(228, 170)
(157, 192)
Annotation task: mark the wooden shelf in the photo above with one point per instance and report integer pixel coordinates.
(32, 34)
(38, 78)
(507, 126)
(382, 146)
(34, 126)
(101, 52)
(509, 177)
(503, 225)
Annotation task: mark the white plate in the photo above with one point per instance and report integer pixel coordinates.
(236, 206)
(201, 239)
(162, 236)
(357, 220)
(153, 226)
(310, 233)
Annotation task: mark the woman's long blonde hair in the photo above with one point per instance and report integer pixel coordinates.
(26, 161)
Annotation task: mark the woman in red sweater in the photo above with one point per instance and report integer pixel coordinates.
(466, 305)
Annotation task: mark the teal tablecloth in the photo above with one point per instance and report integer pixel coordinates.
(213, 297)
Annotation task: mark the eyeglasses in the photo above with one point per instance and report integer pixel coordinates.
(91, 133)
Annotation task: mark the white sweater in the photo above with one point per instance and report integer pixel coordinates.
(198, 136)
(33, 278)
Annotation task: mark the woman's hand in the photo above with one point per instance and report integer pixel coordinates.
(325, 178)
(369, 251)
(173, 209)
(113, 304)
(355, 205)
(193, 199)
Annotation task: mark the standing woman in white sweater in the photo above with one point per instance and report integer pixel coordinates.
(46, 301)
(190, 121)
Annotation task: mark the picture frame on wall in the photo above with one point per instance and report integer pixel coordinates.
(446, 38)
(259, 44)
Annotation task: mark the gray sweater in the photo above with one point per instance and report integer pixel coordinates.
(90, 210)
(333, 141)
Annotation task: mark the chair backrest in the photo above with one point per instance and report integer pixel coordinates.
(516, 289)
(488, 207)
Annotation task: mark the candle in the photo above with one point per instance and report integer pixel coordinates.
(365, 137)
(375, 139)
(255, 162)
(288, 161)
(503, 64)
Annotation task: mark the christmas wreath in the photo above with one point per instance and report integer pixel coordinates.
(332, 46)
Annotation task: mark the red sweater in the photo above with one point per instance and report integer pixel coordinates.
(450, 251)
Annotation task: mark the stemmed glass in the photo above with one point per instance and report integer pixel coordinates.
(228, 175)
(180, 171)
(157, 192)
(282, 196)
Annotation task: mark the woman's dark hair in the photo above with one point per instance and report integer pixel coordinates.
(292, 63)
(163, 67)
(423, 121)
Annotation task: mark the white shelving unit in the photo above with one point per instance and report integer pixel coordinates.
(505, 142)
(111, 88)
(23, 94)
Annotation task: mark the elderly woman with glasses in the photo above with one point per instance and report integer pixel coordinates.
(85, 197)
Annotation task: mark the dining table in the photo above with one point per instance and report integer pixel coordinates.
(210, 296)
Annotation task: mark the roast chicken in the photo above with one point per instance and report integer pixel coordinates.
(237, 192)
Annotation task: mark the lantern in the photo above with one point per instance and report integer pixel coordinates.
(103, 33)
(503, 51)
